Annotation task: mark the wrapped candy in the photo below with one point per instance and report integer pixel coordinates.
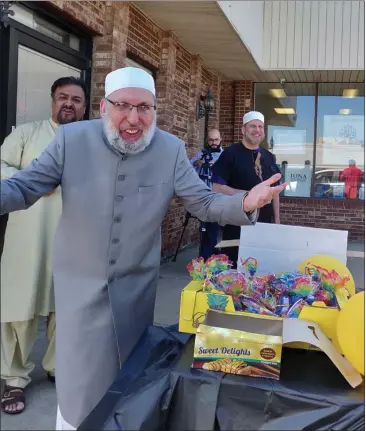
(252, 306)
(257, 286)
(270, 301)
(324, 296)
(208, 286)
(296, 283)
(250, 266)
(199, 269)
(310, 299)
(296, 308)
(217, 263)
(231, 282)
(196, 268)
(282, 295)
(283, 306)
(330, 279)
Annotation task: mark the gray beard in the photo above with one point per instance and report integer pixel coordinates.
(250, 141)
(125, 147)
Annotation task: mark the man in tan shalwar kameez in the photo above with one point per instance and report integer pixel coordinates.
(26, 263)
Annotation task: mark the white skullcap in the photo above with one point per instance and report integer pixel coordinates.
(253, 115)
(129, 77)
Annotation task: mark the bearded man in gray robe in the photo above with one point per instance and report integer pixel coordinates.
(118, 176)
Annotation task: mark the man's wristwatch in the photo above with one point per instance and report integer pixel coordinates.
(248, 213)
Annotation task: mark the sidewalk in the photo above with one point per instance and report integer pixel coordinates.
(40, 413)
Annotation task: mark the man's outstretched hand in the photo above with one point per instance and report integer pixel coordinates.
(262, 194)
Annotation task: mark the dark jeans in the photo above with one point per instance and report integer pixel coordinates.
(209, 240)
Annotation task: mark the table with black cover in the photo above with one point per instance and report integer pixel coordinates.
(157, 390)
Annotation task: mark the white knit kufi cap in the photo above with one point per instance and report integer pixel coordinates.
(253, 115)
(128, 77)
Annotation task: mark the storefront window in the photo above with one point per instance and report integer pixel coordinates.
(289, 112)
(129, 62)
(340, 144)
(30, 19)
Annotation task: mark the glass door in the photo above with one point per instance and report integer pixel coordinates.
(36, 50)
(36, 74)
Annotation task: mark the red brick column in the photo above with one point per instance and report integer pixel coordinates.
(109, 50)
(243, 103)
(165, 82)
(214, 118)
(85, 14)
(194, 95)
(227, 112)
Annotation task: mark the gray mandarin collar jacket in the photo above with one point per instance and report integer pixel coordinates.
(107, 247)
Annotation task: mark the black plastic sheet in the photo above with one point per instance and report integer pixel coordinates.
(157, 390)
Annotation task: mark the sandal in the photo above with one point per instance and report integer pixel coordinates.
(12, 396)
(51, 378)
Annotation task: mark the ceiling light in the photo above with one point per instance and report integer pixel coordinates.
(278, 93)
(286, 111)
(350, 92)
(344, 111)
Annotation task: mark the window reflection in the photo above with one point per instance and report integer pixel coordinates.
(36, 74)
(340, 146)
(289, 112)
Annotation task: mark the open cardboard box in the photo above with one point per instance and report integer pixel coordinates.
(279, 248)
(195, 303)
(252, 345)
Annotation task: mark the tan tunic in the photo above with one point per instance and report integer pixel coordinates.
(26, 263)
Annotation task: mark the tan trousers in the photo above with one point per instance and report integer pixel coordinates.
(17, 341)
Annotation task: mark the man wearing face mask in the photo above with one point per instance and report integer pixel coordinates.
(118, 176)
(243, 166)
(213, 150)
(26, 263)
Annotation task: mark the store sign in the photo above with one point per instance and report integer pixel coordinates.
(344, 129)
(298, 179)
(343, 139)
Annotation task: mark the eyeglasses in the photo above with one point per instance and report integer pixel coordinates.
(126, 108)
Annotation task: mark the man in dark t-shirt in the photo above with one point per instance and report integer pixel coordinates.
(241, 167)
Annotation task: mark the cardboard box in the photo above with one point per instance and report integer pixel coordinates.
(231, 344)
(281, 248)
(195, 303)
(238, 344)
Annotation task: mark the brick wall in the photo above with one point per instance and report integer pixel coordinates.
(325, 213)
(181, 93)
(109, 50)
(214, 118)
(144, 38)
(227, 112)
(236, 99)
(243, 103)
(177, 107)
(86, 14)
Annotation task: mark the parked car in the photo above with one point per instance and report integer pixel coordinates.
(328, 184)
